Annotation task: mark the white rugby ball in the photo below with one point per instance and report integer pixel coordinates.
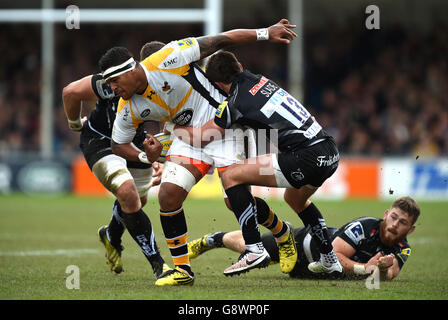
(166, 140)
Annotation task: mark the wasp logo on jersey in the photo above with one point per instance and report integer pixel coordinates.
(221, 109)
(185, 43)
(166, 86)
(404, 254)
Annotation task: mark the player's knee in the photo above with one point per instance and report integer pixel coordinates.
(171, 196)
(288, 198)
(298, 204)
(128, 197)
(143, 200)
(293, 202)
(227, 202)
(229, 178)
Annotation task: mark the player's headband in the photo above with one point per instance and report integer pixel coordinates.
(115, 71)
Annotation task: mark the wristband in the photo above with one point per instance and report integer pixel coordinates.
(359, 269)
(169, 126)
(75, 125)
(262, 34)
(143, 158)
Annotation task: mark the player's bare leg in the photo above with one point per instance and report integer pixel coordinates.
(232, 240)
(253, 171)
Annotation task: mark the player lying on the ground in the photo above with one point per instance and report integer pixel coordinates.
(361, 244)
(307, 157)
(168, 85)
(128, 181)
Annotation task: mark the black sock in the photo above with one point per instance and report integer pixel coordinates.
(116, 228)
(175, 229)
(312, 218)
(140, 228)
(215, 240)
(267, 218)
(243, 206)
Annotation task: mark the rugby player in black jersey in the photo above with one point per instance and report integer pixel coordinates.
(307, 157)
(361, 244)
(128, 181)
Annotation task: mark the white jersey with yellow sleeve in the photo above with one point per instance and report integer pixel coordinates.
(178, 91)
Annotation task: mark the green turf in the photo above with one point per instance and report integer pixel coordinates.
(33, 228)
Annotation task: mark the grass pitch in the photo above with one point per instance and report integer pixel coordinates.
(41, 236)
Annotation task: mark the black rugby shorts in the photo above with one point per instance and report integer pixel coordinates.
(310, 165)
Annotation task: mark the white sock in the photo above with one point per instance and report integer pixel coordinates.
(328, 259)
(255, 248)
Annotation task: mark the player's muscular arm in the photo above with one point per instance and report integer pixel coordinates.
(130, 152)
(73, 94)
(210, 44)
(388, 265)
(278, 33)
(344, 251)
(127, 151)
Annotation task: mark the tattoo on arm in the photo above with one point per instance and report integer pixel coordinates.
(210, 44)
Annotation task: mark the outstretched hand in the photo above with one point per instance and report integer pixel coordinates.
(386, 261)
(380, 261)
(281, 32)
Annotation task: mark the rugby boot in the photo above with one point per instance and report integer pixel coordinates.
(198, 247)
(175, 277)
(287, 251)
(247, 261)
(328, 263)
(113, 254)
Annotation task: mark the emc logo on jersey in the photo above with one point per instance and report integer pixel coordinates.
(170, 62)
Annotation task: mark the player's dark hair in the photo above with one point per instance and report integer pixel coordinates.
(149, 48)
(114, 57)
(408, 205)
(222, 67)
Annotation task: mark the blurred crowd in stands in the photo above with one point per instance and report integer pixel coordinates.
(380, 92)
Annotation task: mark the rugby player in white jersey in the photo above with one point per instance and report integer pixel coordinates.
(168, 86)
(128, 181)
